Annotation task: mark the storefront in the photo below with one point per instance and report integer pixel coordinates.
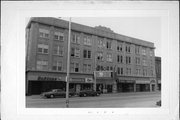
(142, 85)
(38, 82)
(79, 84)
(105, 82)
(130, 84)
(125, 85)
(159, 85)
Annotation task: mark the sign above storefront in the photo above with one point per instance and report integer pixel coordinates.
(44, 78)
(88, 80)
(101, 74)
(126, 81)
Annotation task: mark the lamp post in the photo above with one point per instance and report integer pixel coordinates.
(68, 65)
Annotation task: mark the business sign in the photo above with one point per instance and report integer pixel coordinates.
(142, 82)
(88, 80)
(45, 78)
(101, 74)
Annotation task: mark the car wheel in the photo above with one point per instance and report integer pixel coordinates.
(51, 96)
(84, 95)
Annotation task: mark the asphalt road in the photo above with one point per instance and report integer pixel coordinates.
(118, 100)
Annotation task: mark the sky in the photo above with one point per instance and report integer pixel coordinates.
(144, 28)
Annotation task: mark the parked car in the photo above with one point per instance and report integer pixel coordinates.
(85, 93)
(158, 103)
(57, 93)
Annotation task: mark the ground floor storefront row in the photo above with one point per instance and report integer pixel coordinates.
(38, 82)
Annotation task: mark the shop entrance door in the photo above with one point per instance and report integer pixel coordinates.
(109, 88)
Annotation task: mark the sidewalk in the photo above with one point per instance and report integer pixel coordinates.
(106, 94)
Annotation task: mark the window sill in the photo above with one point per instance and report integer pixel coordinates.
(59, 40)
(58, 55)
(43, 53)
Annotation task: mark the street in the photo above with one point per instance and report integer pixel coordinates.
(117, 100)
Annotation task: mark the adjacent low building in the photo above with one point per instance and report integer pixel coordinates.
(158, 72)
(125, 64)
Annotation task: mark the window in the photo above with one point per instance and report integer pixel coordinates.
(128, 60)
(137, 50)
(128, 71)
(43, 33)
(87, 54)
(75, 39)
(119, 70)
(87, 40)
(109, 45)
(128, 48)
(119, 47)
(42, 48)
(59, 36)
(138, 71)
(101, 43)
(144, 62)
(58, 50)
(144, 72)
(138, 61)
(143, 51)
(151, 72)
(151, 52)
(75, 52)
(57, 66)
(109, 57)
(100, 56)
(86, 68)
(42, 65)
(74, 67)
(100, 68)
(119, 58)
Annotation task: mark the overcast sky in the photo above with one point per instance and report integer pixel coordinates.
(145, 28)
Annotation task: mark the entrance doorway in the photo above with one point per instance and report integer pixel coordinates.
(109, 88)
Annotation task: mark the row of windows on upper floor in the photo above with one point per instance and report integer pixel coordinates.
(87, 68)
(101, 43)
(75, 52)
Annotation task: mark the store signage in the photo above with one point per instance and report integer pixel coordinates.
(126, 81)
(107, 74)
(42, 78)
(153, 82)
(88, 80)
(142, 82)
(76, 80)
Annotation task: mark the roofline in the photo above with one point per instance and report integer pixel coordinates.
(91, 30)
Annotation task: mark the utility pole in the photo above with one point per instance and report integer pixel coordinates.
(68, 65)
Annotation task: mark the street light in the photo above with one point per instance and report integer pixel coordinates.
(68, 65)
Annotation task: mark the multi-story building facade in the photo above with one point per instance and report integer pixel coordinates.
(158, 71)
(92, 49)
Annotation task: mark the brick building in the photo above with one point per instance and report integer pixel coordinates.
(131, 61)
(158, 71)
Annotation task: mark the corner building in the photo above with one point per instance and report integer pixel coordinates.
(131, 61)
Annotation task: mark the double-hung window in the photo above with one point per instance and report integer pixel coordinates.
(87, 41)
(43, 48)
(42, 65)
(74, 67)
(75, 39)
(59, 36)
(87, 54)
(58, 50)
(128, 59)
(109, 57)
(43, 33)
(100, 56)
(57, 66)
(143, 51)
(128, 48)
(75, 52)
(109, 44)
